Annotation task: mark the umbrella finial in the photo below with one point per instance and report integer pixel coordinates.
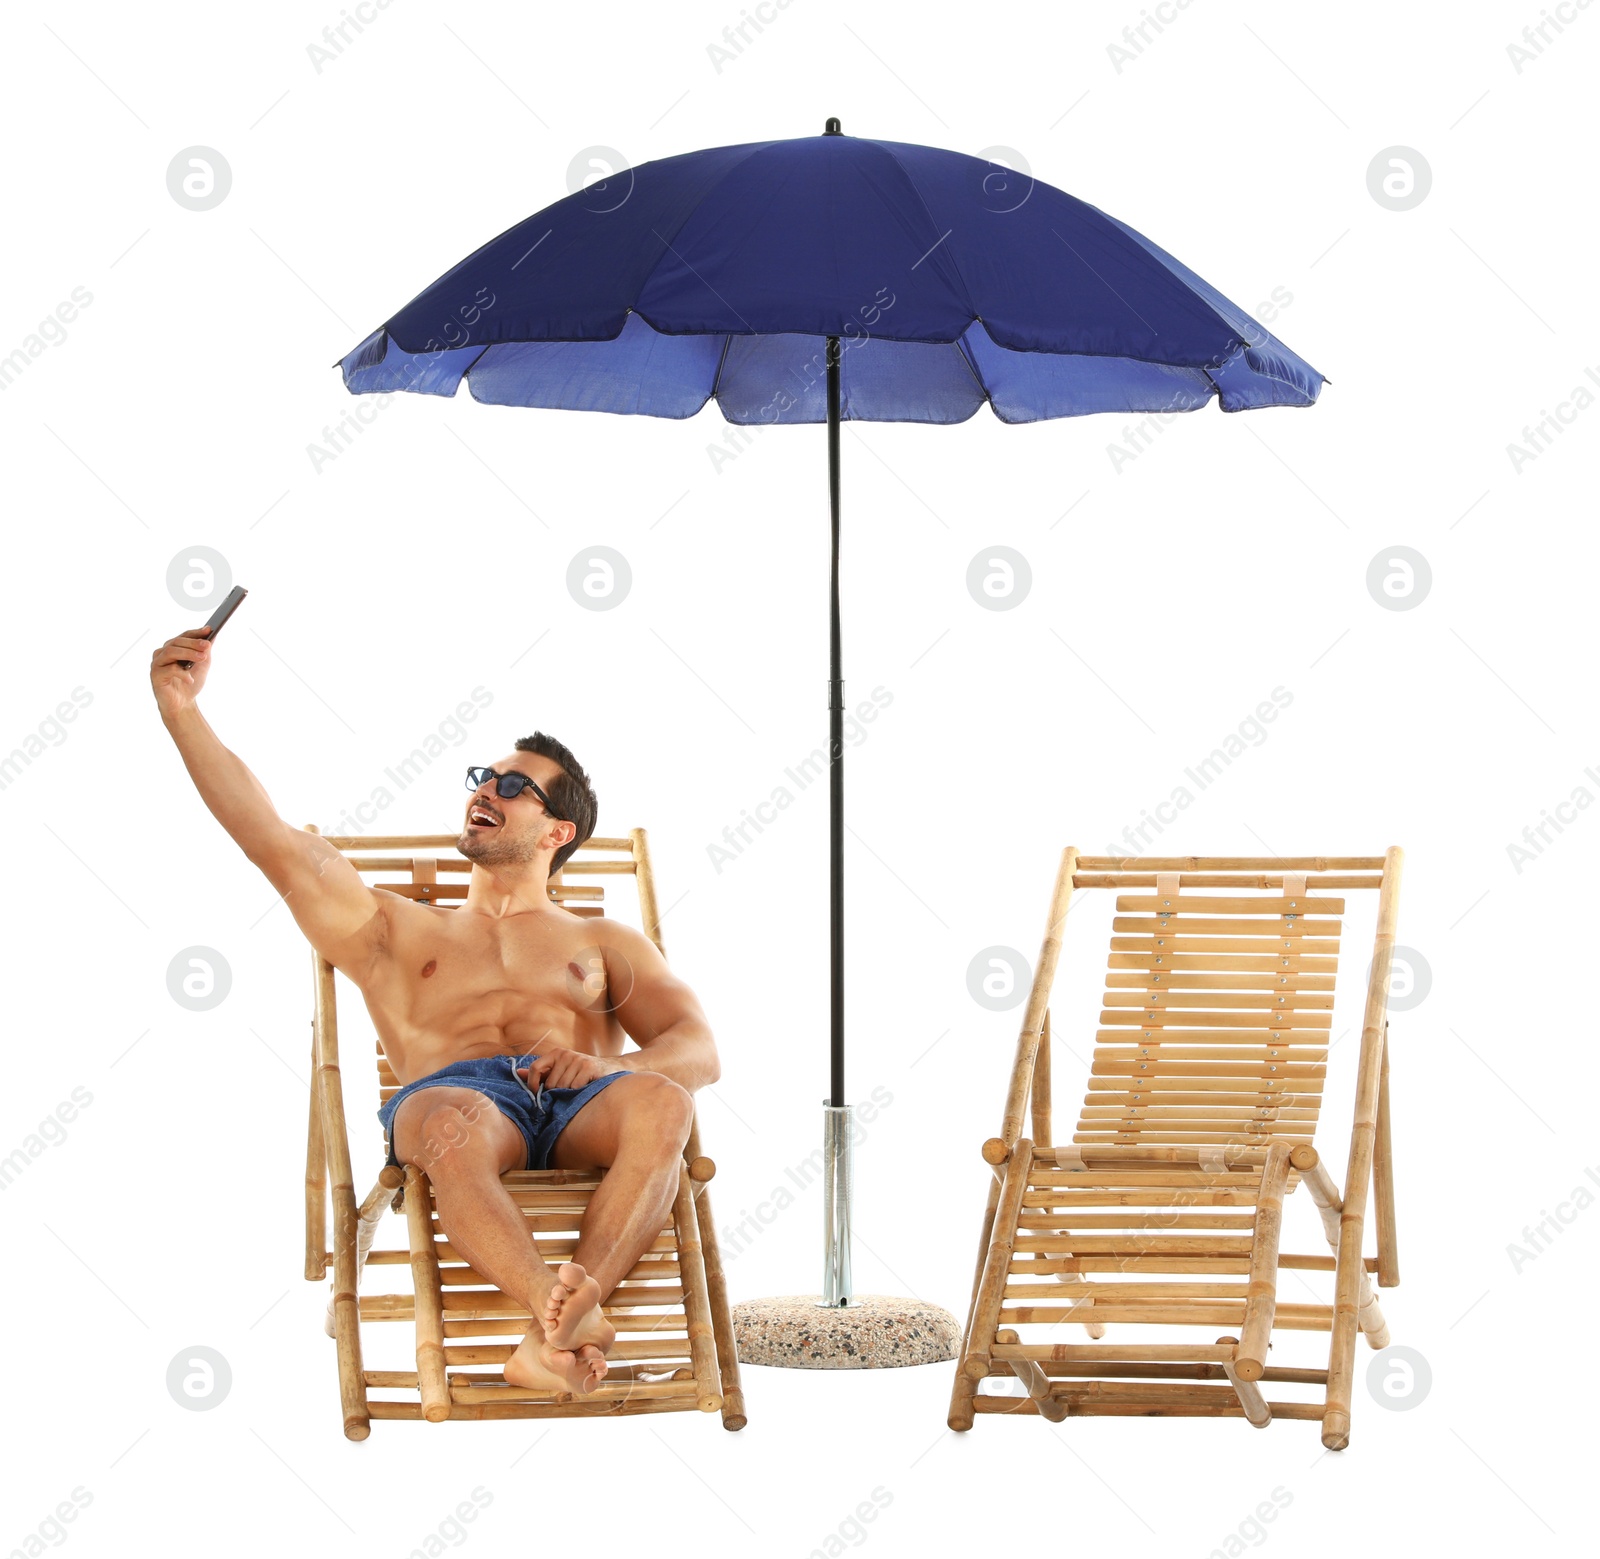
(832, 128)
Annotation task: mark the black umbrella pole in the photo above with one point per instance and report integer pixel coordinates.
(835, 753)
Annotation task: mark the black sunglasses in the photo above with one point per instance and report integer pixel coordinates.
(508, 786)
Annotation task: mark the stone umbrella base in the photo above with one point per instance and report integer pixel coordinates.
(876, 1332)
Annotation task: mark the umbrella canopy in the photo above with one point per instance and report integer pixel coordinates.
(721, 273)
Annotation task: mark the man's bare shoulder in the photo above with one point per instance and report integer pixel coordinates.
(614, 933)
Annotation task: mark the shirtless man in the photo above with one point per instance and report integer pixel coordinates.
(503, 1020)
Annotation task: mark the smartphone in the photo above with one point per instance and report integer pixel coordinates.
(215, 621)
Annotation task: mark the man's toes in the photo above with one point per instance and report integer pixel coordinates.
(571, 1275)
(579, 1372)
(591, 1356)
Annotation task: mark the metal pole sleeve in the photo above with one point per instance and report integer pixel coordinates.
(837, 1192)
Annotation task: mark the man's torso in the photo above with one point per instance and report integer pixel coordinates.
(452, 986)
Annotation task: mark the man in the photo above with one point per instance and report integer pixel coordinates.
(503, 1020)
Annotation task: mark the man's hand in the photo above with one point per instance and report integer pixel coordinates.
(558, 1067)
(175, 688)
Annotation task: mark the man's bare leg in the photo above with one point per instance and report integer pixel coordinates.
(635, 1129)
(464, 1144)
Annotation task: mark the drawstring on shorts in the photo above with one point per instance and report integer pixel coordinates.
(539, 1100)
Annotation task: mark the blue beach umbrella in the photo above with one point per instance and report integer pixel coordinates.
(825, 279)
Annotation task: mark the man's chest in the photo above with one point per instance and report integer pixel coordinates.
(443, 956)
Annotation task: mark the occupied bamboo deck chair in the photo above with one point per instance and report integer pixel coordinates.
(675, 1349)
(1164, 1210)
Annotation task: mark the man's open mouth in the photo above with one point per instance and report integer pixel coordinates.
(481, 817)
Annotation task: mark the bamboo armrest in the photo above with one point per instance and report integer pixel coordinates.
(1069, 1155)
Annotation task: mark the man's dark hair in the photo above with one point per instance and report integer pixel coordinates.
(572, 796)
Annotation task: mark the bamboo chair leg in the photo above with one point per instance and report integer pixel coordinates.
(964, 1388)
(733, 1410)
(1096, 1329)
(347, 1316)
(977, 1358)
(1261, 1292)
(1256, 1411)
(1042, 1099)
(316, 1186)
(1369, 1313)
(1030, 1076)
(1041, 1087)
(368, 1218)
(1383, 1182)
(1037, 1384)
(696, 1233)
(429, 1304)
(1033, 1017)
(997, 1179)
(1034, 1380)
(733, 1413)
(1350, 1270)
(1369, 1317)
(702, 1348)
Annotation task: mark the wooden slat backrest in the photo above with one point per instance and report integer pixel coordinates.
(1219, 996)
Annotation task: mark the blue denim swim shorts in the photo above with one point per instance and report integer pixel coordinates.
(540, 1115)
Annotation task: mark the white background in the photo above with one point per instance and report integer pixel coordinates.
(1168, 599)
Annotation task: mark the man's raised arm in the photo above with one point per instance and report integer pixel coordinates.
(341, 917)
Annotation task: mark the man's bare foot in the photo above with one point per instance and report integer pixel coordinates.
(538, 1365)
(572, 1314)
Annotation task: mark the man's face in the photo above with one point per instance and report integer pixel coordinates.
(501, 832)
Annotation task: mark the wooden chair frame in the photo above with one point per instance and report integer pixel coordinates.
(1158, 1162)
(682, 1355)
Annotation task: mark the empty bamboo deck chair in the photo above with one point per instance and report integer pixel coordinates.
(1164, 1208)
(675, 1348)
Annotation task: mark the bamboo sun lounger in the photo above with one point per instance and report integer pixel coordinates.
(1165, 1208)
(675, 1349)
